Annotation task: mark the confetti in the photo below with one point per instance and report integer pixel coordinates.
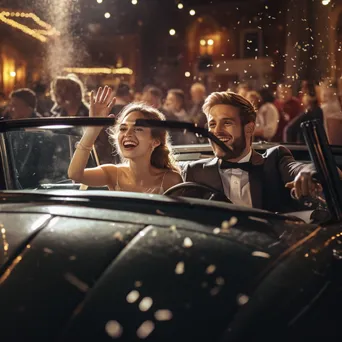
(242, 299)
(179, 268)
(163, 315)
(113, 329)
(261, 254)
(187, 243)
(210, 269)
(72, 279)
(145, 304)
(133, 296)
(145, 329)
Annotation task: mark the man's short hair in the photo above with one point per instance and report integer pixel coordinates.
(155, 91)
(26, 95)
(123, 90)
(198, 86)
(247, 111)
(179, 93)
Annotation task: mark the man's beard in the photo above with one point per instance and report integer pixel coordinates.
(236, 149)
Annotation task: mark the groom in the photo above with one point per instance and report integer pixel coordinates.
(246, 177)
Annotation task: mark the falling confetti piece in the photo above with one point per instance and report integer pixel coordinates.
(173, 228)
(72, 257)
(138, 283)
(145, 304)
(217, 231)
(145, 329)
(179, 268)
(159, 212)
(215, 290)
(48, 250)
(226, 225)
(220, 281)
(163, 315)
(187, 243)
(118, 236)
(113, 329)
(242, 299)
(133, 296)
(72, 279)
(210, 269)
(154, 233)
(261, 254)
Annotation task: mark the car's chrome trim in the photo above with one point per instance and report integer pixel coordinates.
(4, 160)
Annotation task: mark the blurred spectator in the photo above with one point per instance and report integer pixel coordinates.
(332, 112)
(267, 114)
(44, 103)
(175, 105)
(288, 107)
(3, 104)
(68, 95)
(243, 89)
(23, 104)
(137, 97)
(152, 96)
(292, 132)
(198, 95)
(123, 97)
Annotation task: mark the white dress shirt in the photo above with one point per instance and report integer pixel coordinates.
(236, 184)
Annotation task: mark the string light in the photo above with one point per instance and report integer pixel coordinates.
(180, 6)
(192, 12)
(325, 2)
(99, 1)
(107, 15)
(39, 34)
(13, 74)
(134, 2)
(187, 74)
(96, 71)
(172, 32)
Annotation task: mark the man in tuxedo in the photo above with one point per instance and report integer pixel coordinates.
(246, 177)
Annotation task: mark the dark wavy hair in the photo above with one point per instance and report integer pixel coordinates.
(162, 156)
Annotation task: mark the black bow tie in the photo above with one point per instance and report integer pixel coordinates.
(229, 165)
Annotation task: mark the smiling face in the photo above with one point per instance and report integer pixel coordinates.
(224, 122)
(135, 142)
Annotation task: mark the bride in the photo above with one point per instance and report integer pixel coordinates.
(147, 162)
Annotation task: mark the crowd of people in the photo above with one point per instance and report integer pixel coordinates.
(145, 159)
(279, 112)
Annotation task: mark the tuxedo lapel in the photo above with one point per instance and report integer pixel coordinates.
(212, 174)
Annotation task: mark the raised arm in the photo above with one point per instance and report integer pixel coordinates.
(100, 106)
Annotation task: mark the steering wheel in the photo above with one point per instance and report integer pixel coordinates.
(196, 190)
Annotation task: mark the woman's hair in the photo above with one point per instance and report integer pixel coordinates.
(162, 157)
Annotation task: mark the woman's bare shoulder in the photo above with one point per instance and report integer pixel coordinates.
(172, 178)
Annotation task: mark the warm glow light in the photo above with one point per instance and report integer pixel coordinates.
(325, 2)
(203, 42)
(210, 42)
(107, 15)
(13, 74)
(134, 2)
(180, 6)
(192, 12)
(97, 71)
(172, 32)
(40, 34)
(187, 74)
(99, 1)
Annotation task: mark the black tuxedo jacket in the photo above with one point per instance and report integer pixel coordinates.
(270, 172)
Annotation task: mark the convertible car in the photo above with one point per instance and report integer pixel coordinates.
(86, 264)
